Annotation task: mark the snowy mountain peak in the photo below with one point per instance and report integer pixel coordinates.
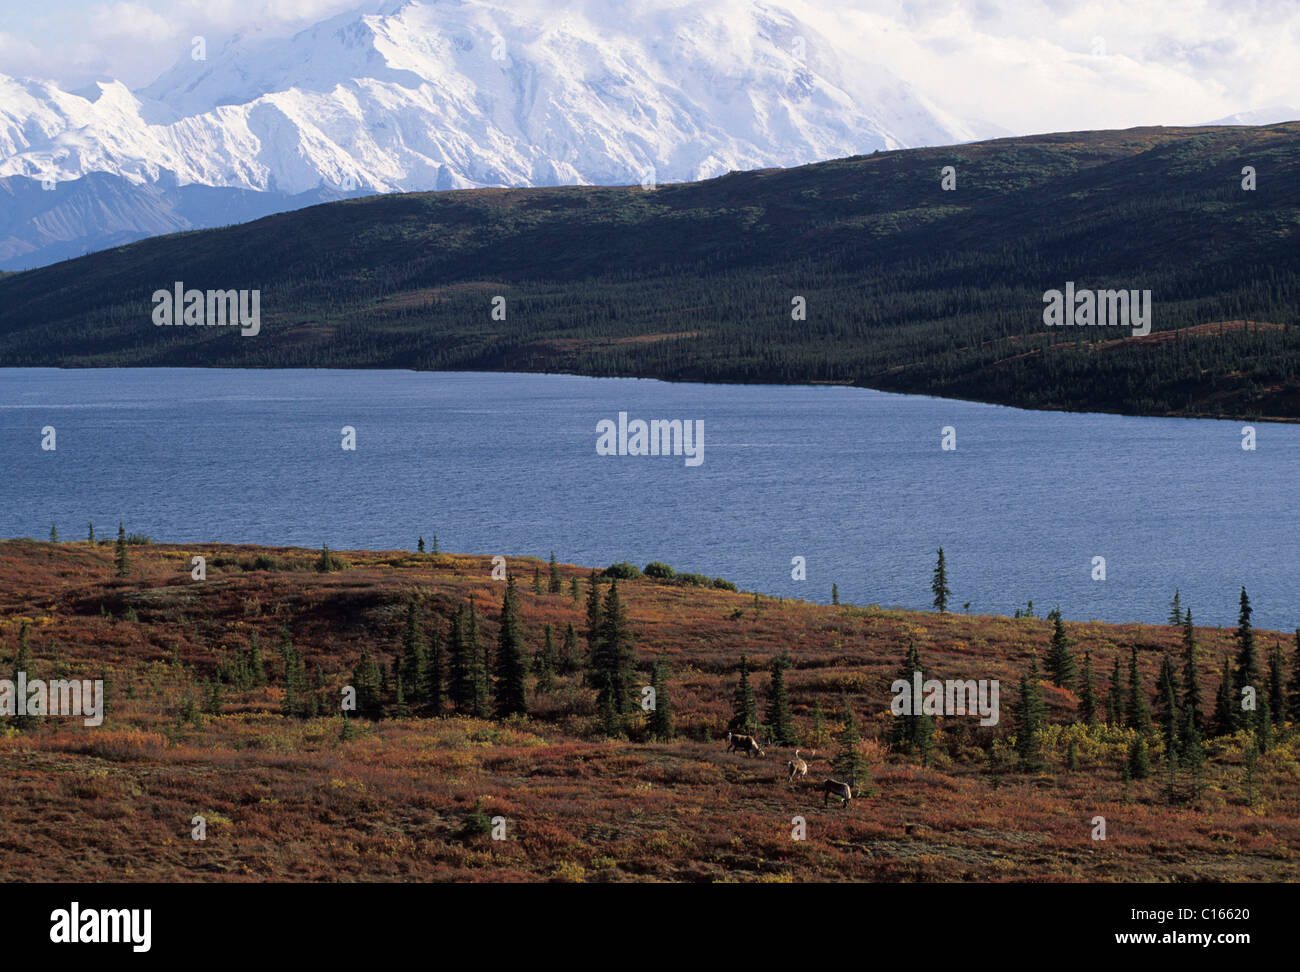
(447, 94)
(435, 95)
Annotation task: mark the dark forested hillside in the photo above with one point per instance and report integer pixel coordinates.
(908, 287)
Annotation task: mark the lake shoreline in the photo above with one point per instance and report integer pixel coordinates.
(718, 382)
(864, 485)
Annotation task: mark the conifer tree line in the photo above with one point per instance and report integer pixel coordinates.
(777, 726)
(1254, 696)
(900, 308)
(449, 666)
(455, 665)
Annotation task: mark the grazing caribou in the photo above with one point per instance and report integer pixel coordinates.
(746, 744)
(836, 788)
(797, 767)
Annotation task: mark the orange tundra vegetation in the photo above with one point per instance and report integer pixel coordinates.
(409, 797)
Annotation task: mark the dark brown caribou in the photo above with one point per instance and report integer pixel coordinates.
(836, 788)
(747, 744)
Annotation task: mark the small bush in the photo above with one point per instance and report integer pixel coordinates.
(476, 822)
(622, 571)
(724, 585)
(327, 562)
(659, 570)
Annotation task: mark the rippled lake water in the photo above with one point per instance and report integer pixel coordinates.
(855, 481)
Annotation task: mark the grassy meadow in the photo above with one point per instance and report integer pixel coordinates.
(408, 797)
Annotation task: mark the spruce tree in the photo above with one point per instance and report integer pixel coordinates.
(661, 717)
(91, 536)
(1115, 698)
(1176, 610)
(1087, 693)
(414, 656)
(1263, 725)
(911, 733)
(120, 557)
(575, 592)
(54, 533)
(1191, 678)
(778, 715)
(1028, 715)
(1137, 711)
(835, 593)
(479, 666)
(544, 663)
(569, 661)
(399, 697)
(23, 664)
(1249, 757)
(1293, 694)
(820, 735)
(611, 723)
(1276, 686)
(511, 669)
(1168, 693)
(615, 660)
(326, 562)
(297, 691)
(1192, 747)
(537, 581)
(849, 765)
(212, 704)
(1139, 758)
(1225, 719)
(459, 691)
(433, 692)
(744, 708)
(255, 667)
(366, 679)
(593, 618)
(555, 584)
(1060, 663)
(939, 585)
(1170, 718)
(1247, 669)
(420, 546)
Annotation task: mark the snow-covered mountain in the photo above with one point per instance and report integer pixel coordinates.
(1260, 116)
(444, 94)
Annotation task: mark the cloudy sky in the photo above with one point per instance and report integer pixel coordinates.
(1020, 64)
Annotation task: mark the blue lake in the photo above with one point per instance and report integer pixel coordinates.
(855, 481)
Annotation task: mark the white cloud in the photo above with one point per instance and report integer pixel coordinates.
(19, 56)
(136, 40)
(1024, 65)
(1029, 66)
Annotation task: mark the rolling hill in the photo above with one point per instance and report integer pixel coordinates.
(908, 287)
(198, 723)
(402, 95)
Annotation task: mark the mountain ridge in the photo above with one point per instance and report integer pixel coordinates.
(908, 287)
(423, 96)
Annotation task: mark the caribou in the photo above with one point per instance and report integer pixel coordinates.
(746, 744)
(797, 767)
(836, 788)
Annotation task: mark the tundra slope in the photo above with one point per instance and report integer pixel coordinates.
(907, 287)
(404, 798)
